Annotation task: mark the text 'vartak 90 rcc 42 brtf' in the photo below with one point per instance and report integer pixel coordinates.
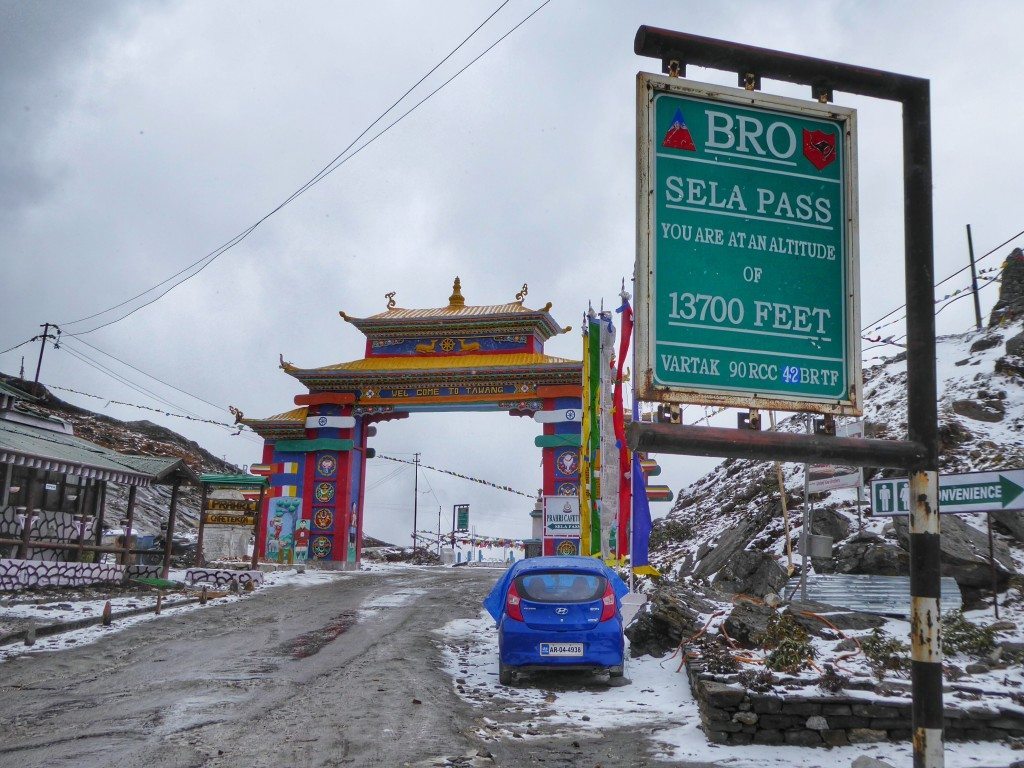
(747, 273)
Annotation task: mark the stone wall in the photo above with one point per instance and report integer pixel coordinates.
(731, 714)
(23, 574)
(222, 577)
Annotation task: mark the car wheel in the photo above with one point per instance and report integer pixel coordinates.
(618, 671)
(505, 674)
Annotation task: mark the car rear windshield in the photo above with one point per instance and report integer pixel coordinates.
(560, 587)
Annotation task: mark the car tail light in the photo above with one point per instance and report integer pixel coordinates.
(512, 607)
(608, 603)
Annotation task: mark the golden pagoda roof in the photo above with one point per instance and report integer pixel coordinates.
(425, 363)
(297, 415)
(512, 312)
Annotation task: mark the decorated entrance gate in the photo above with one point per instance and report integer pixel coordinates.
(453, 358)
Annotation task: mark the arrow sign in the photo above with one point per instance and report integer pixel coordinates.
(967, 492)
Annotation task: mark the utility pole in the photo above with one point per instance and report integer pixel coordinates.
(974, 278)
(439, 530)
(42, 346)
(415, 496)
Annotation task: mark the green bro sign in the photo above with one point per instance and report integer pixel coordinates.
(747, 264)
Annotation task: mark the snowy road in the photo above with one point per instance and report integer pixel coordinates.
(348, 671)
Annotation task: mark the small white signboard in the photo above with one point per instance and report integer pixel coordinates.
(562, 516)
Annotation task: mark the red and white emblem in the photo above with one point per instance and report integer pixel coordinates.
(819, 148)
(678, 135)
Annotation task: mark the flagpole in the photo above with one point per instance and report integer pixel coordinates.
(635, 408)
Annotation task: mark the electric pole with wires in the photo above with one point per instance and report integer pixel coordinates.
(42, 344)
(415, 496)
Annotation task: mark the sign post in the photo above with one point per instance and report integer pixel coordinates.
(747, 257)
(918, 453)
(968, 492)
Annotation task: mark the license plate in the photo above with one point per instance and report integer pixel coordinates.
(561, 649)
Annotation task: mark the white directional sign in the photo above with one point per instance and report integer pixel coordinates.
(559, 416)
(967, 492)
(330, 422)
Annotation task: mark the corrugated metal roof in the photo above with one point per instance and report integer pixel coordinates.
(158, 466)
(235, 480)
(35, 446)
(886, 595)
(447, 363)
(7, 389)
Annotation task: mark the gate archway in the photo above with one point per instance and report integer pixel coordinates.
(453, 359)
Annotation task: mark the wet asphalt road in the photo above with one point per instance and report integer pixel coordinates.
(295, 676)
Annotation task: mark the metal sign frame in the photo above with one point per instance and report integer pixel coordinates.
(794, 354)
(919, 453)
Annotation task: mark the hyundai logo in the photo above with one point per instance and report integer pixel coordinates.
(561, 611)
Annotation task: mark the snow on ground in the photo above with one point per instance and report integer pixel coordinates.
(58, 610)
(657, 702)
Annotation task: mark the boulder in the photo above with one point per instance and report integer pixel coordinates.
(987, 342)
(1011, 292)
(964, 553)
(751, 573)
(748, 623)
(1010, 521)
(829, 522)
(869, 554)
(1015, 346)
(730, 543)
(989, 409)
(673, 614)
(842, 618)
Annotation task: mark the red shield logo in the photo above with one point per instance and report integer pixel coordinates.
(819, 148)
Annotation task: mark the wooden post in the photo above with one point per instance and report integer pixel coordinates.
(202, 526)
(101, 504)
(170, 528)
(256, 529)
(26, 526)
(83, 521)
(83, 485)
(126, 547)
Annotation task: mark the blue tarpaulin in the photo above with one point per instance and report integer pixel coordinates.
(495, 601)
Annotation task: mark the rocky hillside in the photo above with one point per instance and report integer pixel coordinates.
(728, 527)
(135, 437)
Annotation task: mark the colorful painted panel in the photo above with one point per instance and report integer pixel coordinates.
(396, 393)
(326, 465)
(323, 518)
(283, 515)
(448, 345)
(323, 493)
(322, 547)
(567, 463)
(567, 546)
(302, 541)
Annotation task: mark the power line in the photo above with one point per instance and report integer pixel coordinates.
(943, 280)
(336, 163)
(11, 349)
(151, 376)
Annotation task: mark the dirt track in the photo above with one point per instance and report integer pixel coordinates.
(345, 673)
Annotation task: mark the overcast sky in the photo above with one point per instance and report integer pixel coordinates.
(136, 138)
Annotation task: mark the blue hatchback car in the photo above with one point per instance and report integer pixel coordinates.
(558, 613)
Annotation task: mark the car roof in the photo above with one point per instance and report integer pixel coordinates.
(560, 563)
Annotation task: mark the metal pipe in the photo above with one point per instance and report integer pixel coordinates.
(701, 51)
(992, 566)
(692, 440)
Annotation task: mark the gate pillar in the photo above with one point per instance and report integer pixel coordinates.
(560, 448)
